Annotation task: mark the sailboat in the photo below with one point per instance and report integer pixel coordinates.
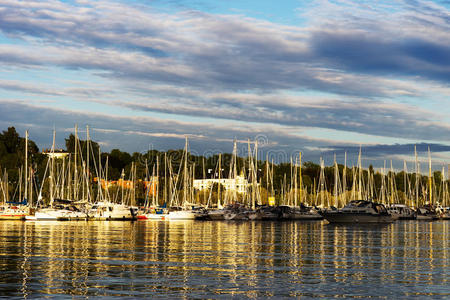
(296, 209)
(427, 212)
(11, 210)
(397, 210)
(59, 209)
(239, 211)
(153, 211)
(217, 213)
(187, 210)
(445, 209)
(229, 209)
(358, 211)
(107, 210)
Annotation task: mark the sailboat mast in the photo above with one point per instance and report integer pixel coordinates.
(157, 179)
(52, 169)
(87, 164)
(295, 184)
(257, 193)
(153, 186)
(336, 174)
(300, 177)
(235, 170)
(359, 175)
(430, 182)
(267, 177)
(417, 176)
(185, 174)
(391, 182)
(405, 170)
(291, 184)
(218, 186)
(26, 165)
(271, 181)
(165, 177)
(344, 180)
(75, 181)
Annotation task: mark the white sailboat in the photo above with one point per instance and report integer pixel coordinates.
(107, 210)
(187, 211)
(16, 210)
(59, 209)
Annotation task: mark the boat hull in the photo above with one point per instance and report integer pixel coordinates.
(342, 217)
(426, 217)
(13, 217)
(112, 212)
(181, 215)
(112, 218)
(155, 216)
(236, 216)
(304, 216)
(51, 214)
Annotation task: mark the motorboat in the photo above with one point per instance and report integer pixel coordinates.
(427, 213)
(216, 214)
(61, 210)
(301, 212)
(105, 211)
(359, 211)
(239, 212)
(445, 215)
(401, 212)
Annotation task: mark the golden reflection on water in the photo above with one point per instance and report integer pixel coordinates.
(214, 259)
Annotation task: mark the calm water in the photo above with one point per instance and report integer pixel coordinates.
(196, 259)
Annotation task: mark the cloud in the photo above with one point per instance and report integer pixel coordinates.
(353, 67)
(133, 133)
(228, 51)
(139, 134)
(361, 116)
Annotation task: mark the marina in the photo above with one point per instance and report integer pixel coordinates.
(75, 186)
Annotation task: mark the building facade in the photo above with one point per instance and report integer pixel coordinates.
(238, 184)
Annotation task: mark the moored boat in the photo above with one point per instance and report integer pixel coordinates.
(299, 213)
(359, 211)
(445, 215)
(105, 211)
(159, 213)
(13, 212)
(401, 212)
(427, 213)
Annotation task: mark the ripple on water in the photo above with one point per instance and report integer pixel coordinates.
(223, 259)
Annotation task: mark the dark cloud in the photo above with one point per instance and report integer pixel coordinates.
(396, 149)
(368, 117)
(138, 134)
(366, 54)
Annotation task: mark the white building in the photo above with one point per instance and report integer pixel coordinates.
(238, 184)
(57, 153)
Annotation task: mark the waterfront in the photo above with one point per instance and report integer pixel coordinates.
(196, 259)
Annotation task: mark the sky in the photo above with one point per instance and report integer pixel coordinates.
(320, 77)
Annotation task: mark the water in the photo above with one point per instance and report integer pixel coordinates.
(195, 259)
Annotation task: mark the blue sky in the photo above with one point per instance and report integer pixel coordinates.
(310, 76)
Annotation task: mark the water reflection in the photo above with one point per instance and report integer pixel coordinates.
(221, 259)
